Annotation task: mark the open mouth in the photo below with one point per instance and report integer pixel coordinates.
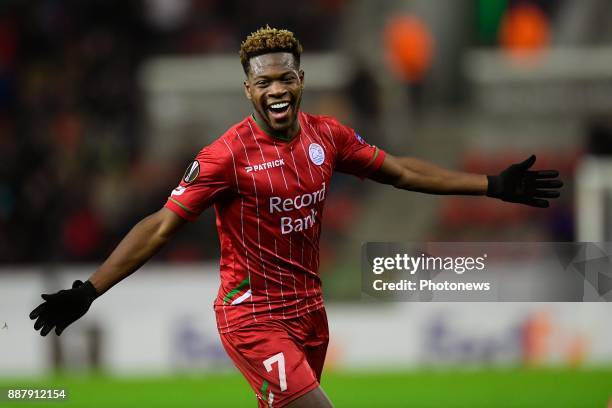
(279, 110)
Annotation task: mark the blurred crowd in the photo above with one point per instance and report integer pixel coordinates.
(74, 174)
(71, 135)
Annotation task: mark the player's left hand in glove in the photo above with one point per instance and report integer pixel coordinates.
(61, 309)
(518, 184)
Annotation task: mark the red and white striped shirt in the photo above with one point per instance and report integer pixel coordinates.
(268, 196)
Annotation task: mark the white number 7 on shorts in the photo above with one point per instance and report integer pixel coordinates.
(280, 359)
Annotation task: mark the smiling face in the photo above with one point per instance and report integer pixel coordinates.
(274, 85)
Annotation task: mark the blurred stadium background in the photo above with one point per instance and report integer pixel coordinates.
(103, 103)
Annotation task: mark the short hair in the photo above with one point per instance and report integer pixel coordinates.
(267, 40)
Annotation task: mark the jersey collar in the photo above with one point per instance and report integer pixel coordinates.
(278, 138)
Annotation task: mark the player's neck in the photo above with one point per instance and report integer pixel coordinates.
(284, 136)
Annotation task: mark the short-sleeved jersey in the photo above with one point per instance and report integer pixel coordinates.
(268, 196)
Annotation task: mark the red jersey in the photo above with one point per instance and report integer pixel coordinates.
(268, 196)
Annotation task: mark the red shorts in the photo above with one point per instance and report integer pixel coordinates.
(281, 359)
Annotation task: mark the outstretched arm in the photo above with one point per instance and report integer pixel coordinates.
(147, 237)
(144, 240)
(516, 184)
(414, 174)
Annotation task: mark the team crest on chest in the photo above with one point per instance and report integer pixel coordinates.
(316, 153)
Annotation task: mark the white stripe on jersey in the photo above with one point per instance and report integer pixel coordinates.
(297, 173)
(281, 167)
(258, 232)
(246, 254)
(320, 167)
(234, 163)
(294, 281)
(331, 136)
(262, 155)
(305, 285)
(306, 276)
(242, 298)
(307, 161)
(280, 275)
(314, 132)
(238, 189)
(311, 256)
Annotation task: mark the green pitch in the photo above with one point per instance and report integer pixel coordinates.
(478, 388)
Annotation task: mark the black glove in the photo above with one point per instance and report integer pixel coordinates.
(517, 184)
(64, 307)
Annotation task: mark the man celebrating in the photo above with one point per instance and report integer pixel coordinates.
(268, 177)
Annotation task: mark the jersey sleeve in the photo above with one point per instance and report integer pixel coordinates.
(354, 155)
(204, 181)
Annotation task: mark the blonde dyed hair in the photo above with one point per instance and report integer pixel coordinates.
(267, 40)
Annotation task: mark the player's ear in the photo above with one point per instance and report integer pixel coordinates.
(301, 75)
(247, 89)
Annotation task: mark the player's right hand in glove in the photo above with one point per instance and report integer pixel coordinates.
(61, 309)
(518, 184)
